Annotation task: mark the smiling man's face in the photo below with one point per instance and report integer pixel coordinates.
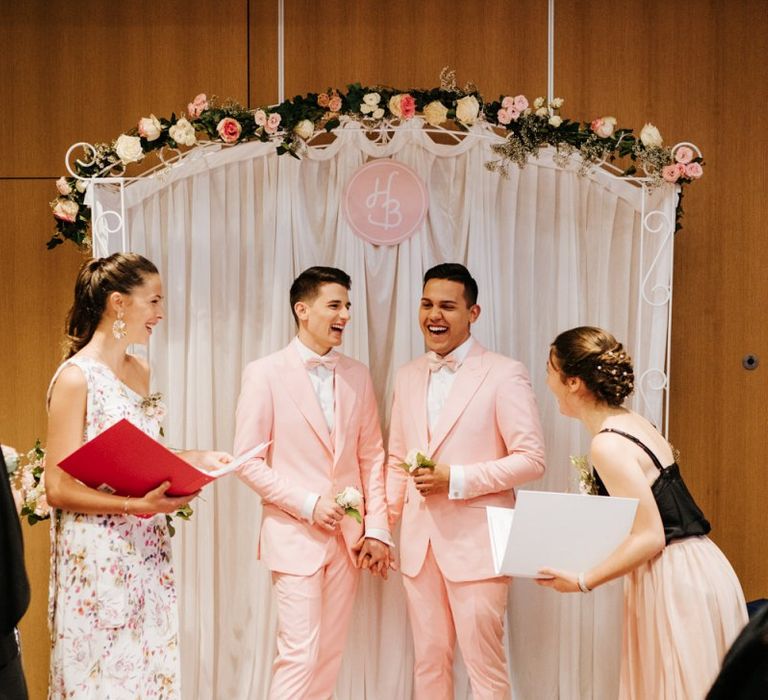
(322, 320)
(444, 315)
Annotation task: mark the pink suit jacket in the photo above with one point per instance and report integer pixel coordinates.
(277, 402)
(490, 425)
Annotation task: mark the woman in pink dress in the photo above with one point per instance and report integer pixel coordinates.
(112, 605)
(683, 605)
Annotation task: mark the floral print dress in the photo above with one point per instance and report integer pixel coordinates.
(112, 604)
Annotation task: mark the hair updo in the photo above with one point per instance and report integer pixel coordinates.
(598, 359)
(96, 280)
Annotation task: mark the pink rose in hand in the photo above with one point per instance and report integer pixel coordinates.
(229, 129)
(197, 106)
(684, 155)
(260, 117)
(334, 104)
(693, 170)
(273, 121)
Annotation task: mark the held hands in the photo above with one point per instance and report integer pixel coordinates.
(155, 501)
(432, 481)
(374, 555)
(562, 581)
(327, 513)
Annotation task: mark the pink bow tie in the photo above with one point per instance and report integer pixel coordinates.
(436, 363)
(328, 361)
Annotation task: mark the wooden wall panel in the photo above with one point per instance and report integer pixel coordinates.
(36, 291)
(406, 44)
(89, 70)
(695, 70)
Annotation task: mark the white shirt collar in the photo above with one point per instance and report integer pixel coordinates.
(461, 352)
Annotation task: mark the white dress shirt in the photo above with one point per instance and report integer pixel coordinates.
(439, 387)
(322, 380)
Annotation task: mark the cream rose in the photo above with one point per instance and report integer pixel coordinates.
(304, 129)
(435, 113)
(65, 209)
(555, 120)
(63, 186)
(538, 102)
(81, 186)
(650, 136)
(542, 112)
(467, 109)
(150, 127)
(604, 127)
(128, 149)
(183, 133)
(372, 99)
(556, 103)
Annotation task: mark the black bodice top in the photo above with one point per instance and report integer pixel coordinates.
(680, 515)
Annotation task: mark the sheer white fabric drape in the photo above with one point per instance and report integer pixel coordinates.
(230, 229)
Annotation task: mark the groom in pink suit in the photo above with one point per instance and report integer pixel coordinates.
(473, 412)
(318, 408)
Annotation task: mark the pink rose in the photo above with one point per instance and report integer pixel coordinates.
(197, 106)
(229, 129)
(684, 155)
(508, 102)
(65, 209)
(521, 104)
(604, 127)
(503, 116)
(260, 117)
(323, 99)
(408, 106)
(63, 186)
(273, 121)
(334, 104)
(693, 170)
(670, 173)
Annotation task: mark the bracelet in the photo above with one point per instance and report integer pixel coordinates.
(125, 504)
(582, 583)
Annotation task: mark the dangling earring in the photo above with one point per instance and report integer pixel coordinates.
(119, 329)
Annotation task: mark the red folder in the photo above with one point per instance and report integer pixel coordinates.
(126, 461)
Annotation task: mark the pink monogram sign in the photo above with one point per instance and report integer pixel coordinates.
(385, 202)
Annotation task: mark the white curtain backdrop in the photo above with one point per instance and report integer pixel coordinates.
(231, 228)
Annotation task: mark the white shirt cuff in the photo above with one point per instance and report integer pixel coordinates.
(309, 506)
(457, 483)
(375, 533)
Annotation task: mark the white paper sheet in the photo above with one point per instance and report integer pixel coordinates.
(563, 531)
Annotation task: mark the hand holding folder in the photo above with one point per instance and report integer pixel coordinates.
(126, 461)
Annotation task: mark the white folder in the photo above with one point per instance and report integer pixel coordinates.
(564, 531)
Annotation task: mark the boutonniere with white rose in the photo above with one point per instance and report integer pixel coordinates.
(417, 459)
(351, 500)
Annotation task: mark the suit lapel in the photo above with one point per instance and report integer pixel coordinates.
(299, 387)
(344, 397)
(418, 384)
(468, 379)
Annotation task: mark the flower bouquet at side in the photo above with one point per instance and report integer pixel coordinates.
(28, 483)
(587, 481)
(417, 459)
(351, 500)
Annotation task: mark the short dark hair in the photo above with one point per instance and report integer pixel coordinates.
(455, 272)
(307, 285)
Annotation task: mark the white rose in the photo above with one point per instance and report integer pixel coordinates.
(435, 113)
(378, 114)
(183, 133)
(65, 209)
(63, 186)
(556, 103)
(542, 112)
(555, 121)
(412, 459)
(650, 136)
(350, 497)
(605, 127)
(128, 149)
(81, 186)
(372, 99)
(304, 129)
(538, 102)
(366, 109)
(150, 127)
(467, 109)
(11, 458)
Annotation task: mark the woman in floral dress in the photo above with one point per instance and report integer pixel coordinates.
(112, 595)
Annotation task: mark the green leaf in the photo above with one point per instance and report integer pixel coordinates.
(354, 513)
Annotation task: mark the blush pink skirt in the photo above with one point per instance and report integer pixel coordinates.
(682, 611)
